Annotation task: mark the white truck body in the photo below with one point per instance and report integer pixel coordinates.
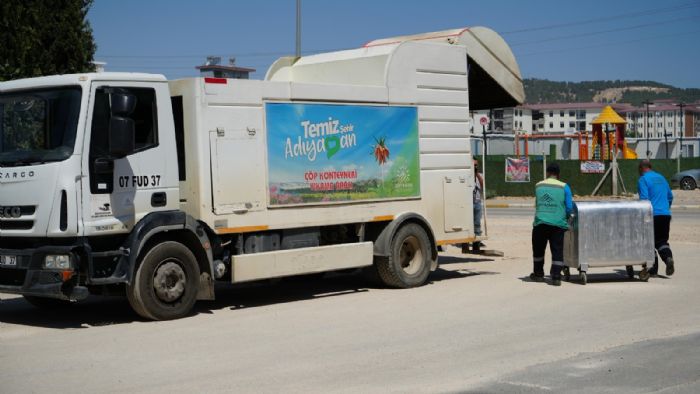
(204, 170)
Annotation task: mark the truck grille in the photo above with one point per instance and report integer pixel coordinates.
(18, 223)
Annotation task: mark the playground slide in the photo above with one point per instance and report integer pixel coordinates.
(628, 153)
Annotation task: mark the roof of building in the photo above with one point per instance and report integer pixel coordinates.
(622, 108)
(665, 106)
(553, 106)
(218, 67)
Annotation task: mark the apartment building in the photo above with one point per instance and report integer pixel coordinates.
(663, 117)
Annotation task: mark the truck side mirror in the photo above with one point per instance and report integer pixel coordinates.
(121, 136)
(122, 104)
(122, 130)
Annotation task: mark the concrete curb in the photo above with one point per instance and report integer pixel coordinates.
(521, 205)
(684, 207)
(507, 205)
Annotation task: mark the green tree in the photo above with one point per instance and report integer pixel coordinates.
(44, 37)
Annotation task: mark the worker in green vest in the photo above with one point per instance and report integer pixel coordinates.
(553, 205)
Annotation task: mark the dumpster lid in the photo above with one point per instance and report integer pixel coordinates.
(494, 75)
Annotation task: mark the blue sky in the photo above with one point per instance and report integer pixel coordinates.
(561, 40)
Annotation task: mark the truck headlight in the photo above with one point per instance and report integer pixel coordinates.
(57, 261)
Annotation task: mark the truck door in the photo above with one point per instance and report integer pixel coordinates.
(118, 192)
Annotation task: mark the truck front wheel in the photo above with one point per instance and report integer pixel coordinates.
(408, 265)
(165, 283)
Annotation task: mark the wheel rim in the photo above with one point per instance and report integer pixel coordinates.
(169, 281)
(686, 184)
(411, 255)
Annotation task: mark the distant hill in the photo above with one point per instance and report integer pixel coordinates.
(633, 92)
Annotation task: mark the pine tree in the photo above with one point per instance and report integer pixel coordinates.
(45, 37)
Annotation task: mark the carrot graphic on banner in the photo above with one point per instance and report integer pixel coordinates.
(381, 153)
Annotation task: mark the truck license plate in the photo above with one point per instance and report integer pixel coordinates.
(10, 261)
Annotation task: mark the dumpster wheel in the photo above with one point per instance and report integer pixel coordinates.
(583, 277)
(567, 273)
(644, 275)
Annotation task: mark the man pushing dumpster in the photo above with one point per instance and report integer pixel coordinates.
(553, 205)
(653, 187)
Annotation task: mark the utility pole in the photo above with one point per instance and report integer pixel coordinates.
(646, 126)
(298, 43)
(680, 148)
(483, 165)
(666, 141)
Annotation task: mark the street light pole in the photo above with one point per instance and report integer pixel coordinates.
(646, 126)
(666, 141)
(680, 148)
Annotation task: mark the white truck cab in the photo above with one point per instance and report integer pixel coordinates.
(128, 183)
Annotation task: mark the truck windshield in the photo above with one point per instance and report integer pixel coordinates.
(38, 126)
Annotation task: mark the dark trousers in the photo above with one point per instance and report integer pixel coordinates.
(662, 225)
(541, 234)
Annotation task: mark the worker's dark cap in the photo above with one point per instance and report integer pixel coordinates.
(553, 168)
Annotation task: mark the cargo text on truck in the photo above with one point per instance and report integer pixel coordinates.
(131, 184)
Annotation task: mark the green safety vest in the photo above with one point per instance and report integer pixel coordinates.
(550, 206)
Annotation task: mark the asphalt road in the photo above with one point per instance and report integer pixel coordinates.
(662, 365)
(480, 325)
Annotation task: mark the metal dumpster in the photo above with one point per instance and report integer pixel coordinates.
(608, 234)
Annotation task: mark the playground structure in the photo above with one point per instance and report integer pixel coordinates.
(582, 138)
(608, 143)
(605, 144)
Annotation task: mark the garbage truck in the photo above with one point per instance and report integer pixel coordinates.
(127, 183)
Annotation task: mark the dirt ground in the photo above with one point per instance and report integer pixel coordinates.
(680, 197)
(517, 241)
(478, 321)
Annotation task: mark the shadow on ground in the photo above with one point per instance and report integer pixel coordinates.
(593, 277)
(463, 259)
(100, 311)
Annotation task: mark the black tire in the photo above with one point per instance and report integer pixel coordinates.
(166, 282)
(408, 264)
(567, 273)
(644, 275)
(371, 274)
(583, 277)
(688, 183)
(47, 303)
(630, 271)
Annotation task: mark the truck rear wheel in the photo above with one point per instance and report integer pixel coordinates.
(408, 265)
(165, 283)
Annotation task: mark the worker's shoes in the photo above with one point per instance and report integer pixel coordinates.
(536, 278)
(670, 269)
(556, 282)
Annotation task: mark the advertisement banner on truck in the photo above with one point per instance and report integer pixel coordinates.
(324, 153)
